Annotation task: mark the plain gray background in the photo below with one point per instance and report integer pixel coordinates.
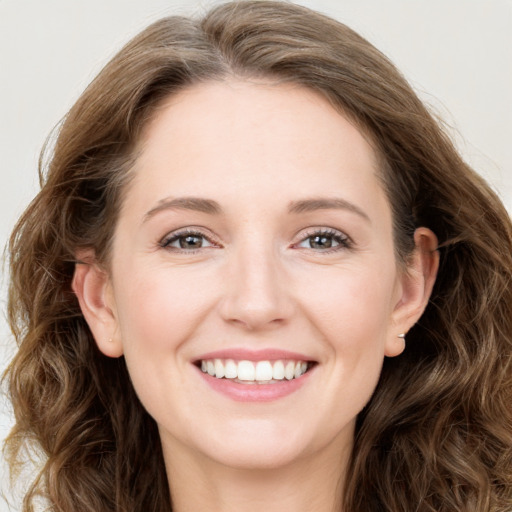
(456, 53)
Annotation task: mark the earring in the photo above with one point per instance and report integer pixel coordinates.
(401, 336)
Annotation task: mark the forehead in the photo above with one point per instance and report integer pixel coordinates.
(221, 106)
(251, 140)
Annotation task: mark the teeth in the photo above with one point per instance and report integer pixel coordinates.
(246, 370)
(230, 369)
(219, 368)
(263, 370)
(289, 370)
(254, 372)
(278, 370)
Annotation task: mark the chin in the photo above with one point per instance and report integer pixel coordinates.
(254, 443)
(257, 456)
(265, 444)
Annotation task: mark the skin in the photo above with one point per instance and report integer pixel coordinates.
(257, 281)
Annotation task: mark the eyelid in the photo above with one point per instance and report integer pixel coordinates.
(189, 230)
(345, 242)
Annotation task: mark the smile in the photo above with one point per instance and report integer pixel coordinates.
(250, 372)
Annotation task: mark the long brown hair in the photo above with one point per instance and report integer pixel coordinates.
(436, 435)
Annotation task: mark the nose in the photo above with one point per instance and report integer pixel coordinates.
(257, 293)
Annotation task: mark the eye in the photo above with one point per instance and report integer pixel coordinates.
(325, 240)
(186, 241)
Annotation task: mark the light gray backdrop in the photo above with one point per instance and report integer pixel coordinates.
(456, 53)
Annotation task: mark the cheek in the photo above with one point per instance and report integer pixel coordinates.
(156, 316)
(349, 310)
(352, 306)
(159, 308)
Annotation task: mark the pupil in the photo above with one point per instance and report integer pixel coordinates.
(190, 242)
(321, 242)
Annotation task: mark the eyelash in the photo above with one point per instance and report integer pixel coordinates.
(176, 236)
(342, 240)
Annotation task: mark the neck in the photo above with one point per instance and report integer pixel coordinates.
(312, 483)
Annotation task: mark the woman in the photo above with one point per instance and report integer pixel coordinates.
(243, 220)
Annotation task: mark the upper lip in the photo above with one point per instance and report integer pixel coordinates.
(243, 354)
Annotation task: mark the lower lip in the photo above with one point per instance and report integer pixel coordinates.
(255, 392)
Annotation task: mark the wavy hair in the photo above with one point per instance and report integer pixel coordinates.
(437, 433)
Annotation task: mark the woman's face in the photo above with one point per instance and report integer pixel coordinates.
(254, 241)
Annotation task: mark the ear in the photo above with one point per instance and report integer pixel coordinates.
(92, 287)
(415, 286)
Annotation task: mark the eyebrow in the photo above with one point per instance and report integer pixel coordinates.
(321, 203)
(197, 204)
(211, 207)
